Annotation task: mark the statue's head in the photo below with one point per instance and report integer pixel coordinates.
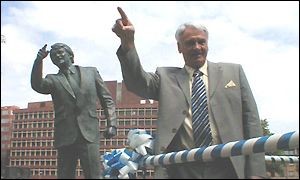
(61, 55)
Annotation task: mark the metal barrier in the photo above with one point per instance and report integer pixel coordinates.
(244, 147)
(127, 161)
(282, 159)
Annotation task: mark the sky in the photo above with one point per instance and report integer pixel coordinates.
(261, 36)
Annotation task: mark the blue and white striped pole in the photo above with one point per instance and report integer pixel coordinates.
(282, 159)
(236, 148)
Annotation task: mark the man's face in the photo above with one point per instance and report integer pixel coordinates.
(193, 46)
(60, 57)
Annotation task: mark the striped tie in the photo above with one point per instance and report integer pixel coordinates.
(200, 122)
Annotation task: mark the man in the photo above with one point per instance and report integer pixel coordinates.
(76, 127)
(230, 106)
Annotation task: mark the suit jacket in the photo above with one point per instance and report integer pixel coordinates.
(75, 115)
(233, 109)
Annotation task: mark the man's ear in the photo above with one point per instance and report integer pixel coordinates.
(178, 47)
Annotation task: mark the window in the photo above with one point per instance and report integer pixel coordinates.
(127, 122)
(121, 122)
(51, 114)
(148, 122)
(141, 112)
(128, 112)
(133, 122)
(40, 115)
(148, 112)
(4, 120)
(4, 112)
(121, 132)
(121, 112)
(102, 123)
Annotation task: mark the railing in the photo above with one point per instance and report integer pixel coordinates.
(244, 147)
(129, 160)
(283, 167)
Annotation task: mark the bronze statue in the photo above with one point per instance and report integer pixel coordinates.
(76, 127)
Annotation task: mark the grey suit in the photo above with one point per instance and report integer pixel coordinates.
(76, 117)
(233, 110)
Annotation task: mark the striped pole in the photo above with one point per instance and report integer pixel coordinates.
(244, 147)
(283, 159)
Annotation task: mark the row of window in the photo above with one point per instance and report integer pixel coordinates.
(6, 112)
(35, 115)
(50, 172)
(79, 172)
(25, 125)
(43, 143)
(5, 128)
(135, 112)
(103, 122)
(33, 162)
(4, 138)
(33, 134)
(5, 145)
(32, 143)
(119, 112)
(132, 122)
(33, 153)
(50, 133)
(5, 120)
(49, 143)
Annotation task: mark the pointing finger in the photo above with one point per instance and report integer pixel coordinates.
(124, 16)
(44, 48)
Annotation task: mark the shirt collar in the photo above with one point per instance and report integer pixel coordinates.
(191, 70)
(71, 69)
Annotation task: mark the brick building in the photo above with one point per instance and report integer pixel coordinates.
(33, 130)
(6, 130)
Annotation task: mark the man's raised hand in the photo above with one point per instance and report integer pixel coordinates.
(124, 17)
(124, 29)
(43, 53)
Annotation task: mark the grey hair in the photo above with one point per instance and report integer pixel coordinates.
(180, 30)
(66, 47)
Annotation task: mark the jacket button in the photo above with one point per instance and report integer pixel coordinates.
(184, 112)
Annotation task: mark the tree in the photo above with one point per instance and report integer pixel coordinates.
(272, 167)
(265, 127)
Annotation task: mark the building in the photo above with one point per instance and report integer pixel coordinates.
(33, 130)
(6, 130)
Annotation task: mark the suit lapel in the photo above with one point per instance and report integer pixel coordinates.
(83, 76)
(214, 76)
(80, 71)
(63, 80)
(183, 81)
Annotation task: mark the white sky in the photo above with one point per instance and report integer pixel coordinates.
(262, 36)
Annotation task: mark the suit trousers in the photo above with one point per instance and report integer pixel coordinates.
(89, 156)
(217, 169)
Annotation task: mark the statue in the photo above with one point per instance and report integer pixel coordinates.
(74, 91)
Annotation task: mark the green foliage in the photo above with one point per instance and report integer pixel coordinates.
(272, 167)
(265, 127)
